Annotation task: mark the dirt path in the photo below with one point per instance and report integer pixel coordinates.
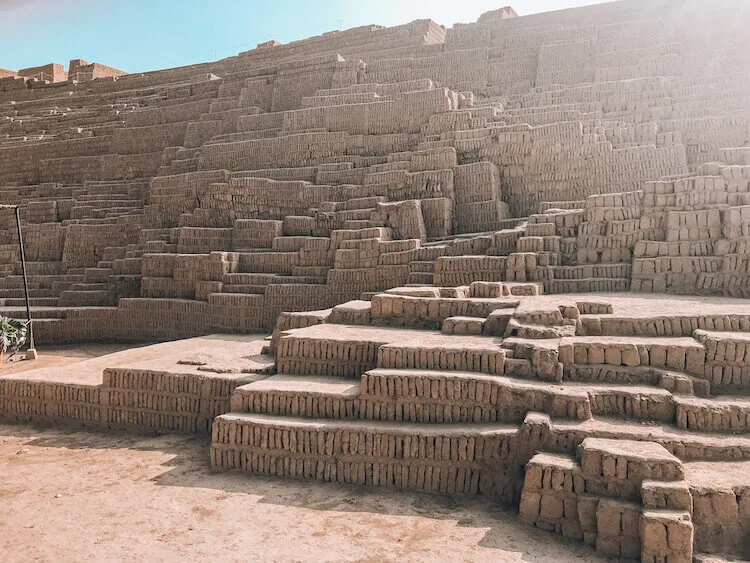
(57, 356)
(77, 495)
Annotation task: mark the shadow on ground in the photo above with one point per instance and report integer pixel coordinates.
(188, 466)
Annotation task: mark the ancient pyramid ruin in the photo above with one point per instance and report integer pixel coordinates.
(508, 258)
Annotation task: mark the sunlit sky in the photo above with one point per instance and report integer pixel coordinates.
(140, 35)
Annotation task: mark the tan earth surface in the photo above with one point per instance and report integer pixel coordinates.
(58, 356)
(76, 495)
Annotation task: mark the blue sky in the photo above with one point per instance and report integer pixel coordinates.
(139, 35)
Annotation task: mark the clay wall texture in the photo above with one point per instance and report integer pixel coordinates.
(354, 190)
(575, 145)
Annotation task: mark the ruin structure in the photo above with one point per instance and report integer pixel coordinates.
(508, 258)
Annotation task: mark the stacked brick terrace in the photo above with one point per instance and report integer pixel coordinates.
(606, 418)
(507, 258)
(558, 147)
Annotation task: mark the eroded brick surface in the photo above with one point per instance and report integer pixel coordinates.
(418, 214)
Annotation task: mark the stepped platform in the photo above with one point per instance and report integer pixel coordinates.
(434, 458)
(350, 350)
(170, 386)
(625, 412)
(719, 492)
(507, 258)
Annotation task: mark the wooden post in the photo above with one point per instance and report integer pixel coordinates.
(25, 281)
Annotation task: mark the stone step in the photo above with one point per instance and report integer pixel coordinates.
(628, 460)
(519, 368)
(92, 221)
(425, 267)
(496, 323)
(249, 278)
(33, 301)
(547, 313)
(159, 247)
(444, 458)
(675, 382)
(719, 498)
(303, 396)
(558, 495)
(19, 312)
(421, 278)
(378, 232)
(590, 285)
(464, 325)
(712, 558)
(356, 215)
(416, 395)
(304, 280)
(103, 208)
(35, 281)
(351, 313)
(63, 282)
(267, 262)
(423, 311)
(291, 320)
(718, 414)
(70, 298)
(584, 272)
(101, 202)
(97, 275)
(666, 535)
(358, 224)
(549, 499)
(666, 323)
(673, 495)
(20, 294)
(44, 268)
(726, 364)
(244, 288)
(521, 330)
(444, 352)
(118, 211)
(16, 282)
(576, 400)
(679, 353)
(639, 403)
(98, 286)
(687, 446)
(333, 350)
(349, 351)
(542, 355)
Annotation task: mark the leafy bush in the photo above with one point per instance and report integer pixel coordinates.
(12, 334)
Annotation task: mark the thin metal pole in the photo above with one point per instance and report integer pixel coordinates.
(25, 281)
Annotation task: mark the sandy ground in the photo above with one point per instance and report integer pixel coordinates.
(58, 356)
(646, 305)
(75, 495)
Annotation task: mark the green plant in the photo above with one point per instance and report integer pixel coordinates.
(12, 334)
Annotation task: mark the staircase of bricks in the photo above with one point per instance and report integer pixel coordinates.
(506, 258)
(490, 389)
